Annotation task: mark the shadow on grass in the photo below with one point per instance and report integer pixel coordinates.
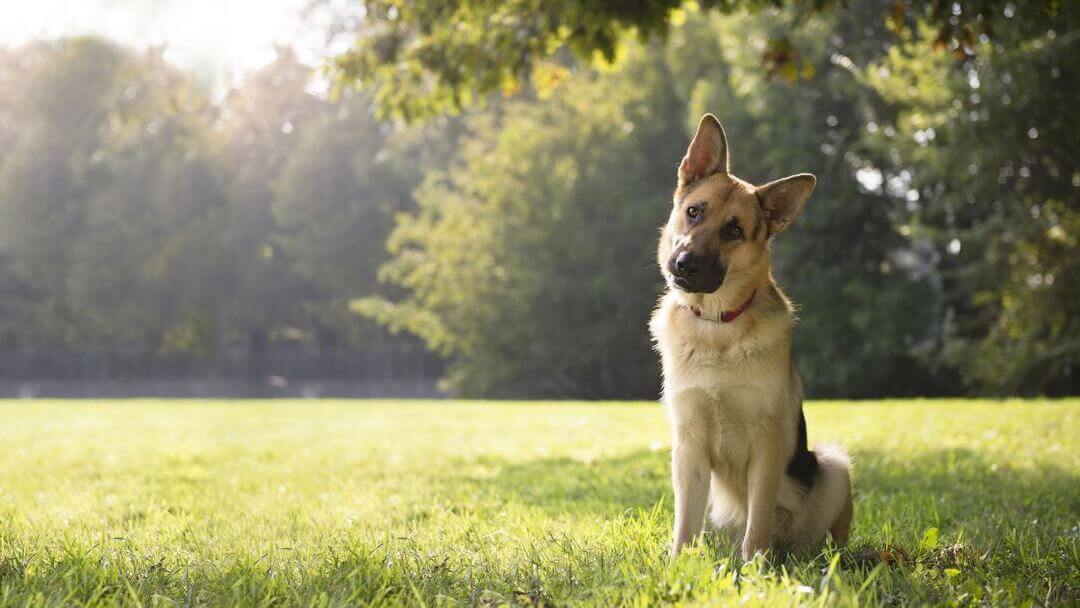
(948, 488)
(960, 488)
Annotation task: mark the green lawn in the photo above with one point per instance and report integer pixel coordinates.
(471, 503)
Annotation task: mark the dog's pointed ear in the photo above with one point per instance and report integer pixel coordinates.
(783, 199)
(708, 152)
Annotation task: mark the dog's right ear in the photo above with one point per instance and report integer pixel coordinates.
(707, 154)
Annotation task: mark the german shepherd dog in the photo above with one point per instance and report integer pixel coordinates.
(731, 390)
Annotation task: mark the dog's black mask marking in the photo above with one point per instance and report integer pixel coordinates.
(705, 274)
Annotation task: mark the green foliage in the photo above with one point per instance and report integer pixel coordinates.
(333, 206)
(110, 199)
(935, 257)
(983, 168)
(137, 214)
(262, 121)
(529, 262)
(552, 215)
(429, 56)
(456, 503)
(334, 167)
(511, 232)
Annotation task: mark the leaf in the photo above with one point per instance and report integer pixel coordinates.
(677, 17)
(929, 538)
(951, 572)
(547, 77)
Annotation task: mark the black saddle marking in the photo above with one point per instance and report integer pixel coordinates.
(803, 466)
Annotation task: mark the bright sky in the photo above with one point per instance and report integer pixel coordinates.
(219, 39)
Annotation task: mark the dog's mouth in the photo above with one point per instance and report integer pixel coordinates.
(682, 284)
(709, 285)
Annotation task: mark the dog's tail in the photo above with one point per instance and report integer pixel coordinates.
(829, 501)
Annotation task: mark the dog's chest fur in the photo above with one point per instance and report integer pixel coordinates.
(725, 382)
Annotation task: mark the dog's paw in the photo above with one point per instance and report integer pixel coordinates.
(751, 548)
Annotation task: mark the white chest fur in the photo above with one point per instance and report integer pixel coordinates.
(725, 384)
(740, 365)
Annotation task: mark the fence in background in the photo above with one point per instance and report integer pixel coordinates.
(382, 371)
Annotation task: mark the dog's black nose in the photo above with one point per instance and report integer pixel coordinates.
(686, 264)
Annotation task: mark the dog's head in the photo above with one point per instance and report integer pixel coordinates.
(717, 236)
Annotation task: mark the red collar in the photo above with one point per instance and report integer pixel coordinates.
(728, 315)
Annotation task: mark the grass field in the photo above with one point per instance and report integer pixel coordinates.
(460, 503)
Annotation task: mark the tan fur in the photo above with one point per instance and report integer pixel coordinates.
(731, 390)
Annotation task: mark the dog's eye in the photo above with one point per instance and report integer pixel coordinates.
(733, 230)
(693, 212)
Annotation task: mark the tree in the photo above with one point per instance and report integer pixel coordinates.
(935, 256)
(110, 201)
(427, 56)
(138, 214)
(149, 264)
(334, 204)
(263, 121)
(982, 161)
(47, 170)
(529, 263)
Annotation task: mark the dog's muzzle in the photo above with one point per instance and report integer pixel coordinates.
(695, 274)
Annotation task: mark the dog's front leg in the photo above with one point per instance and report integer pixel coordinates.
(690, 478)
(763, 482)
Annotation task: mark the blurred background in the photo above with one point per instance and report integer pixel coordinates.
(386, 198)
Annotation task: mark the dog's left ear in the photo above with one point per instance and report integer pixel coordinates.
(783, 199)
